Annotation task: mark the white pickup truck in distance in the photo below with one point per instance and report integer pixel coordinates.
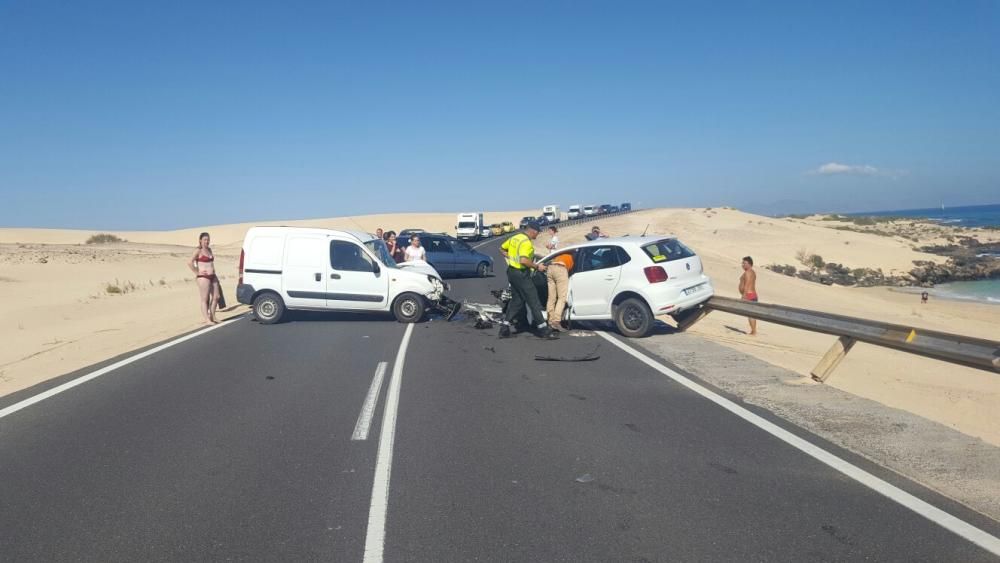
(296, 268)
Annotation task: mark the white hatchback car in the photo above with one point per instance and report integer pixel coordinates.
(630, 280)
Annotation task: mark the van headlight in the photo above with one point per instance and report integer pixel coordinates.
(438, 285)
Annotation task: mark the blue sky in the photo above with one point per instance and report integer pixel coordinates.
(141, 115)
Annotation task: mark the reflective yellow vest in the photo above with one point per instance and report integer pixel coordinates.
(517, 246)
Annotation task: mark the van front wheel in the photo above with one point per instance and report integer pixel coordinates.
(409, 308)
(268, 308)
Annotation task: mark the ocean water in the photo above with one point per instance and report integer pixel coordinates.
(987, 291)
(983, 290)
(967, 216)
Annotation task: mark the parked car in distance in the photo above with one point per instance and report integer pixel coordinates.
(543, 221)
(604, 208)
(626, 206)
(508, 227)
(411, 232)
(613, 209)
(524, 221)
(486, 232)
(299, 268)
(629, 280)
(574, 212)
(452, 257)
(496, 229)
(589, 210)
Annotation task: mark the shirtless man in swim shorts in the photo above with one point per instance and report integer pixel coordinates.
(748, 288)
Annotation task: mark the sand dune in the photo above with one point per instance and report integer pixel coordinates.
(58, 315)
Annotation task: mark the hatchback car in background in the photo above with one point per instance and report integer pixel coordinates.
(524, 221)
(496, 229)
(589, 210)
(604, 209)
(626, 206)
(508, 227)
(630, 280)
(614, 209)
(452, 257)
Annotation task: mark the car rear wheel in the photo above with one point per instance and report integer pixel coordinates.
(268, 308)
(483, 270)
(409, 308)
(633, 318)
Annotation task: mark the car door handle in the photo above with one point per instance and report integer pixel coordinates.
(334, 276)
(319, 276)
(609, 278)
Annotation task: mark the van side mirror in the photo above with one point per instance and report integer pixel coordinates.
(376, 269)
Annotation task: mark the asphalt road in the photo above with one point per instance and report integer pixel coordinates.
(236, 445)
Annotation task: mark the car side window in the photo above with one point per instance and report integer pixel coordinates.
(436, 245)
(460, 246)
(349, 257)
(623, 257)
(598, 258)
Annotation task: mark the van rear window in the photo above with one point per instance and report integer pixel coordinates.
(667, 250)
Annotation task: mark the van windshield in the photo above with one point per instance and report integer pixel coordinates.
(466, 225)
(379, 248)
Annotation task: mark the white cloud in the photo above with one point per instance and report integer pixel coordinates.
(833, 168)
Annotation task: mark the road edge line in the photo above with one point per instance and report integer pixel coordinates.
(951, 523)
(107, 369)
(378, 511)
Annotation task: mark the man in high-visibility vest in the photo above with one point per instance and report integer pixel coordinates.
(519, 251)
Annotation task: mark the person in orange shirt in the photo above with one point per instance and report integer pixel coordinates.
(558, 281)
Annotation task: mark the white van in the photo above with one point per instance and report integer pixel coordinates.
(574, 212)
(589, 210)
(299, 268)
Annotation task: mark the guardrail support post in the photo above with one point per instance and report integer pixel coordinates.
(688, 321)
(832, 358)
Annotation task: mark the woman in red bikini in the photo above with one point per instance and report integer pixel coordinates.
(203, 265)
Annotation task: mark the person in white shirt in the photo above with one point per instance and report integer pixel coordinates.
(415, 251)
(553, 243)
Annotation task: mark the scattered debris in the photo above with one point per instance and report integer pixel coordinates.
(585, 478)
(490, 348)
(585, 358)
(269, 377)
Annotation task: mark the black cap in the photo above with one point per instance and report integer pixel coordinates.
(533, 225)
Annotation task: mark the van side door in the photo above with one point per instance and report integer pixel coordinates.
(304, 271)
(355, 280)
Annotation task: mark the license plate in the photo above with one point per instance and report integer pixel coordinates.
(694, 289)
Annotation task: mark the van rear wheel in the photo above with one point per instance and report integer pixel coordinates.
(268, 308)
(409, 308)
(633, 318)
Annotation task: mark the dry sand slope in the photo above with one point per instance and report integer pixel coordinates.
(57, 316)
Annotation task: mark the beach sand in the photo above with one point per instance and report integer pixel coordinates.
(56, 315)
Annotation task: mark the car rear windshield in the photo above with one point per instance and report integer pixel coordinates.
(667, 250)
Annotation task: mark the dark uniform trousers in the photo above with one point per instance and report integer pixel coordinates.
(523, 293)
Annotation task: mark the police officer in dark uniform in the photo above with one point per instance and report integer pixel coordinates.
(519, 251)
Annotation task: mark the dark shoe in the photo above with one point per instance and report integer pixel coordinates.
(547, 334)
(505, 331)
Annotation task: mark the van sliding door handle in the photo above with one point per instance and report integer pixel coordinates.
(319, 277)
(334, 276)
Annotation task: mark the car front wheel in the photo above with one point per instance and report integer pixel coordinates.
(633, 318)
(409, 308)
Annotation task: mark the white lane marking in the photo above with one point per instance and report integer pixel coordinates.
(368, 408)
(492, 239)
(375, 538)
(107, 369)
(947, 521)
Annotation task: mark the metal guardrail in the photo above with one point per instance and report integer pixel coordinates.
(976, 353)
